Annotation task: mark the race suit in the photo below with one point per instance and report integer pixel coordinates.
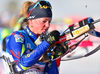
(20, 45)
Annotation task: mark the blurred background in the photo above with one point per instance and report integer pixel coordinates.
(65, 12)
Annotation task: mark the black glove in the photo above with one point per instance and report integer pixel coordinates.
(51, 38)
(59, 50)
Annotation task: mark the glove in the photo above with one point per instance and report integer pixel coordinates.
(90, 20)
(51, 38)
(59, 50)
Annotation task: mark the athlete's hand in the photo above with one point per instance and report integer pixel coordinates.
(59, 50)
(52, 37)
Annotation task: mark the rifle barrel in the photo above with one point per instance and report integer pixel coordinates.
(96, 21)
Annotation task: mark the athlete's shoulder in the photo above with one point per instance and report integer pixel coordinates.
(16, 36)
(18, 32)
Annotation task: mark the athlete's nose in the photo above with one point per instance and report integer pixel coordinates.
(47, 24)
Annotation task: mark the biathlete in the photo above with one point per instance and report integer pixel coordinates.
(21, 44)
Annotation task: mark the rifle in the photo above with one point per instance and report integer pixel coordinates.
(74, 31)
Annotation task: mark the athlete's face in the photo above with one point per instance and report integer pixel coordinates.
(39, 25)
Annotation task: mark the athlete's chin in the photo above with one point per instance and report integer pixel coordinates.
(44, 32)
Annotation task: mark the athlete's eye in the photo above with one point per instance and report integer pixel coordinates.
(44, 21)
(49, 21)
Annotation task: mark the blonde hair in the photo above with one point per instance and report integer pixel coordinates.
(13, 21)
(25, 7)
(24, 10)
(22, 13)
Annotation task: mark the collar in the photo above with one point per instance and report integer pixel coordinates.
(30, 33)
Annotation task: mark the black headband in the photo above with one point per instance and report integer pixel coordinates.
(39, 12)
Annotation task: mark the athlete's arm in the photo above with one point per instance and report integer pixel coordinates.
(17, 49)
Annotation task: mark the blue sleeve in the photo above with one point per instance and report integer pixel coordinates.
(15, 46)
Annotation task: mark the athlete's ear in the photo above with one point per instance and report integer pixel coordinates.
(30, 21)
